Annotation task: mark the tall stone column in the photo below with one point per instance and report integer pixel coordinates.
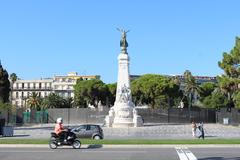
(123, 114)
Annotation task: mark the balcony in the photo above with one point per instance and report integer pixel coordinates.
(32, 89)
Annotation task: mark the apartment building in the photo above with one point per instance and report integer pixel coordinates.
(63, 84)
(59, 84)
(23, 88)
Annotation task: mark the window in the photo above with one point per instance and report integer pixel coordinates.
(82, 128)
(22, 85)
(17, 95)
(40, 85)
(92, 127)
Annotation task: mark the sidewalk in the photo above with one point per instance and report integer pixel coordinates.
(150, 131)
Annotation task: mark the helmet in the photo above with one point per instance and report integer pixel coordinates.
(59, 120)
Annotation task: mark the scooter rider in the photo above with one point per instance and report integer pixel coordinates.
(59, 129)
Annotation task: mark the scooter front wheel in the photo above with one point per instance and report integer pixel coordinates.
(52, 144)
(76, 144)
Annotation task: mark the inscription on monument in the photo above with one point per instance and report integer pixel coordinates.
(125, 113)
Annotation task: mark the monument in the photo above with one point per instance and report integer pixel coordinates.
(123, 113)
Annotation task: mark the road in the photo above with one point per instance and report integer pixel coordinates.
(123, 153)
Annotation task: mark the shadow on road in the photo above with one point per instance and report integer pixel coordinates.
(91, 146)
(94, 146)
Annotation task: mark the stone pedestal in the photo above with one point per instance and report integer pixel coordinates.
(137, 120)
(123, 116)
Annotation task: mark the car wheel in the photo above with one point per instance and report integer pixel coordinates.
(97, 137)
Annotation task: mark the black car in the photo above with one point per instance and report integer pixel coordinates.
(88, 131)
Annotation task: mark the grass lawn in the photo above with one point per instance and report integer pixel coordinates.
(126, 141)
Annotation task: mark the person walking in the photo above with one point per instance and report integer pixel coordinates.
(194, 128)
(201, 129)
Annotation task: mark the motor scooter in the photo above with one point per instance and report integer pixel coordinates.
(56, 141)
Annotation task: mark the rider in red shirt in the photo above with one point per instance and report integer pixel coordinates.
(59, 129)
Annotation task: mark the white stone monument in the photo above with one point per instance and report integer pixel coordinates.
(123, 113)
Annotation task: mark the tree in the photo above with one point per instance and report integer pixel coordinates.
(206, 89)
(211, 96)
(53, 101)
(5, 106)
(236, 100)
(154, 90)
(4, 85)
(190, 87)
(34, 101)
(230, 81)
(112, 88)
(13, 78)
(215, 100)
(231, 61)
(68, 102)
(90, 92)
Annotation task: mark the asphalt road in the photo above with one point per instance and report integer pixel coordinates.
(122, 153)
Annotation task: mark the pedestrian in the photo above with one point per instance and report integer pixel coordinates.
(201, 129)
(194, 128)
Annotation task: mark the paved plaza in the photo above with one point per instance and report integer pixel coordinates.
(149, 131)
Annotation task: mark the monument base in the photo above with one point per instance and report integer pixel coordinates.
(123, 125)
(132, 120)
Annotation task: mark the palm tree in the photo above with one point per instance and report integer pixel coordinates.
(68, 102)
(34, 101)
(190, 88)
(13, 77)
(53, 101)
(229, 87)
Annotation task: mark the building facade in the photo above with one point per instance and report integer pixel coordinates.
(22, 89)
(61, 85)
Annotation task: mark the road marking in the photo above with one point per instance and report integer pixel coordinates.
(185, 154)
(181, 154)
(189, 154)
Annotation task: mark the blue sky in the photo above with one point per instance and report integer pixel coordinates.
(53, 37)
